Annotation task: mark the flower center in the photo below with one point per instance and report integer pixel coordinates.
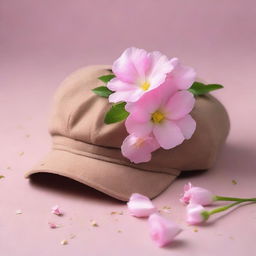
(157, 117)
(145, 85)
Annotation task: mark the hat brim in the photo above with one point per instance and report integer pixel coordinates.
(115, 180)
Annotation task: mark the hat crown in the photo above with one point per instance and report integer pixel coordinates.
(78, 113)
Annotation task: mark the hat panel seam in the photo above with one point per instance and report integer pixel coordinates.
(113, 160)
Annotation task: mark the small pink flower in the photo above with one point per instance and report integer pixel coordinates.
(162, 230)
(140, 206)
(57, 211)
(164, 113)
(196, 214)
(197, 195)
(137, 72)
(138, 149)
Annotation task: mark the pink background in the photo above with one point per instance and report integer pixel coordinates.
(42, 42)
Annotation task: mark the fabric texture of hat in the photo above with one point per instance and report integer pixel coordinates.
(87, 150)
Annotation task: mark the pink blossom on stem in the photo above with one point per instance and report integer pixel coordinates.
(197, 195)
(196, 214)
(162, 230)
(140, 206)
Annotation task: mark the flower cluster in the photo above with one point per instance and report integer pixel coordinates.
(155, 90)
(155, 95)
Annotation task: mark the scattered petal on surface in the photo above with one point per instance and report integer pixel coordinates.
(53, 225)
(18, 211)
(140, 206)
(21, 153)
(162, 230)
(57, 211)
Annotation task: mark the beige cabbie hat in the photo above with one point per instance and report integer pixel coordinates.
(87, 150)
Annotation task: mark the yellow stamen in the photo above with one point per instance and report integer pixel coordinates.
(157, 117)
(145, 85)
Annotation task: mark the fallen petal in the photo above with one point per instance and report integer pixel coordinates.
(140, 206)
(162, 230)
(52, 225)
(57, 211)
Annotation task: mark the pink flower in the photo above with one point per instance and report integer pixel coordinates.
(196, 214)
(138, 149)
(140, 206)
(197, 195)
(182, 77)
(164, 113)
(57, 211)
(162, 230)
(137, 72)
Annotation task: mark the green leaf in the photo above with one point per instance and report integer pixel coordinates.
(116, 114)
(106, 78)
(198, 88)
(102, 91)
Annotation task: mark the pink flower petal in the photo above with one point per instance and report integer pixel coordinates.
(187, 126)
(127, 96)
(187, 186)
(57, 211)
(182, 76)
(116, 84)
(195, 214)
(124, 67)
(168, 134)
(137, 149)
(162, 230)
(179, 105)
(161, 66)
(197, 195)
(52, 225)
(140, 206)
(136, 127)
(201, 196)
(142, 61)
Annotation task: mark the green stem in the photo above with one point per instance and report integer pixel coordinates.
(221, 209)
(224, 198)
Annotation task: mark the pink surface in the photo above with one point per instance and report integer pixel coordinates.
(42, 42)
